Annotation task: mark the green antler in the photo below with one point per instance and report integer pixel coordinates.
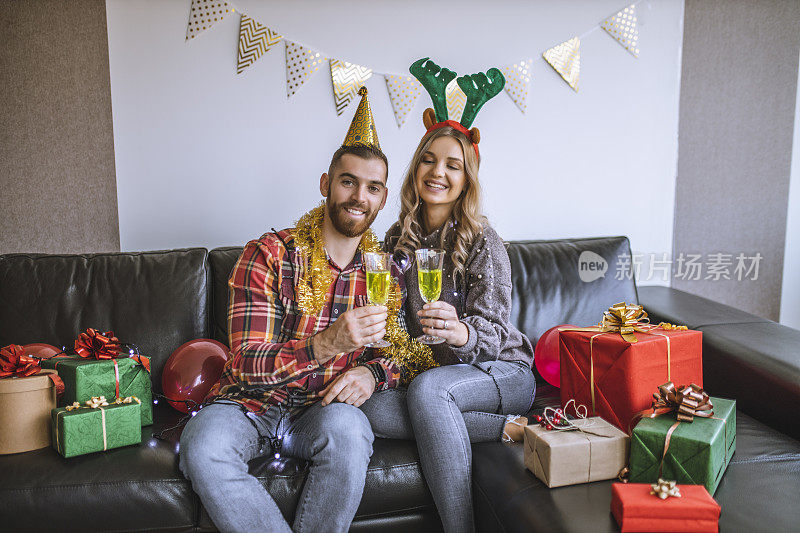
(435, 79)
(479, 88)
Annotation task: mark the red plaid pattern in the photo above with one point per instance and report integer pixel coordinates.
(272, 359)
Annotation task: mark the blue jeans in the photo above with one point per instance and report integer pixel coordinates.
(218, 442)
(445, 409)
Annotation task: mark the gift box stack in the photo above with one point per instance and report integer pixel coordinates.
(107, 395)
(623, 372)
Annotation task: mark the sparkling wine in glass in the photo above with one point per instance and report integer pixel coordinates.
(379, 283)
(429, 276)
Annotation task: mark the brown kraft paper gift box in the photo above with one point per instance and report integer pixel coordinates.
(25, 405)
(559, 457)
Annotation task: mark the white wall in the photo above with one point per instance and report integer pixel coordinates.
(206, 157)
(790, 290)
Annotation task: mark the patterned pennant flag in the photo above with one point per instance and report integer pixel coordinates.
(254, 40)
(456, 100)
(566, 60)
(301, 63)
(624, 29)
(206, 13)
(347, 79)
(403, 92)
(518, 79)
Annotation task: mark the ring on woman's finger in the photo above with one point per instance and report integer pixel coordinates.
(445, 324)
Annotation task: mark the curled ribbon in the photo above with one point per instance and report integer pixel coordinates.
(14, 362)
(97, 345)
(688, 401)
(664, 489)
(129, 399)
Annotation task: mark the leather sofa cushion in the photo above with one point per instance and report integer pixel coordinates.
(221, 261)
(156, 300)
(757, 492)
(547, 287)
(665, 304)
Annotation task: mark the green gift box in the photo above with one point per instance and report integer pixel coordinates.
(82, 430)
(698, 452)
(88, 378)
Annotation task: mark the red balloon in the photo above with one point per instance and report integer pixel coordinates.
(190, 372)
(546, 356)
(40, 350)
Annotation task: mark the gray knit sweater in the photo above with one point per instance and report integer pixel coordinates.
(482, 300)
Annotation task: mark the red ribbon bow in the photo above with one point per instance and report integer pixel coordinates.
(94, 344)
(14, 362)
(688, 401)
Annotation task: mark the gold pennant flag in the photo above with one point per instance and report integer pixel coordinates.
(204, 14)
(456, 100)
(347, 79)
(624, 28)
(301, 64)
(403, 93)
(566, 60)
(518, 80)
(254, 40)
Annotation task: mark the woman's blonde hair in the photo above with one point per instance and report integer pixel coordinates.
(466, 216)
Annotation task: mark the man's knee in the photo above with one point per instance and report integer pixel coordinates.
(345, 427)
(205, 447)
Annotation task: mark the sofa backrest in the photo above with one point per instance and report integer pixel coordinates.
(547, 285)
(156, 300)
(548, 288)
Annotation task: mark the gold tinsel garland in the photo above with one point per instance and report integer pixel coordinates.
(315, 281)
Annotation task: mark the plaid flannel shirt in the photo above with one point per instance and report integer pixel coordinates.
(272, 359)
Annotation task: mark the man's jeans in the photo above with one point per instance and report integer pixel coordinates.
(445, 409)
(218, 442)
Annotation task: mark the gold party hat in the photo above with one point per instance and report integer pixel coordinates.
(362, 129)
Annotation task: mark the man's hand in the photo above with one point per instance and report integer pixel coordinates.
(354, 387)
(351, 331)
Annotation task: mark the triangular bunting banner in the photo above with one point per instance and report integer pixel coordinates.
(347, 79)
(566, 60)
(254, 40)
(204, 14)
(624, 29)
(518, 80)
(403, 93)
(456, 100)
(301, 63)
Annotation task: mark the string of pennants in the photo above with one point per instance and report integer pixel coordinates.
(256, 39)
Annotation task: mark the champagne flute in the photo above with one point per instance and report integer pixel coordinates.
(429, 276)
(379, 279)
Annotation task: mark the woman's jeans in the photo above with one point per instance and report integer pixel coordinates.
(217, 444)
(445, 409)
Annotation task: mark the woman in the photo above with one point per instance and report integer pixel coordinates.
(485, 371)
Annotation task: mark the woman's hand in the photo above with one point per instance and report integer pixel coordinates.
(441, 319)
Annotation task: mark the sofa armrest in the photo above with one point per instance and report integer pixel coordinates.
(664, 304)
(745, 357)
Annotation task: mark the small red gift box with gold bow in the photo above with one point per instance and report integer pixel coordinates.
(614, 367)
(644, 507)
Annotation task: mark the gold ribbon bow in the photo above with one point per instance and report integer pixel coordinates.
(95, 403)
(129, 399)
(664, 489)
(688, 401)
(625, 319)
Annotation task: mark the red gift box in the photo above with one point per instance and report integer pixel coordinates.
(635, 509)
(616, 378)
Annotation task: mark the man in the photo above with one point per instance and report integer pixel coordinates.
(299, 369)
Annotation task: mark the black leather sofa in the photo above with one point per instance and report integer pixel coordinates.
(161, 299)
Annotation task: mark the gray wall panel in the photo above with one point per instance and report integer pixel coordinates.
(738, 83)
(57, 181)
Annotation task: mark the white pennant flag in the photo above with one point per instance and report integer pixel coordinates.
(456, 100)
(624, 28)
(347, 79)
(403, 93)
(206, 13)
(301, 63)
(566, 60)
(518, 80)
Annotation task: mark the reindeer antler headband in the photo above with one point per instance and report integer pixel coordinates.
(479, 89)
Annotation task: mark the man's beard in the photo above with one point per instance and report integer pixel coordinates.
(346, 226)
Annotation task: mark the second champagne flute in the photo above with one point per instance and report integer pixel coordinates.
(429, 275)
(379, 279)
